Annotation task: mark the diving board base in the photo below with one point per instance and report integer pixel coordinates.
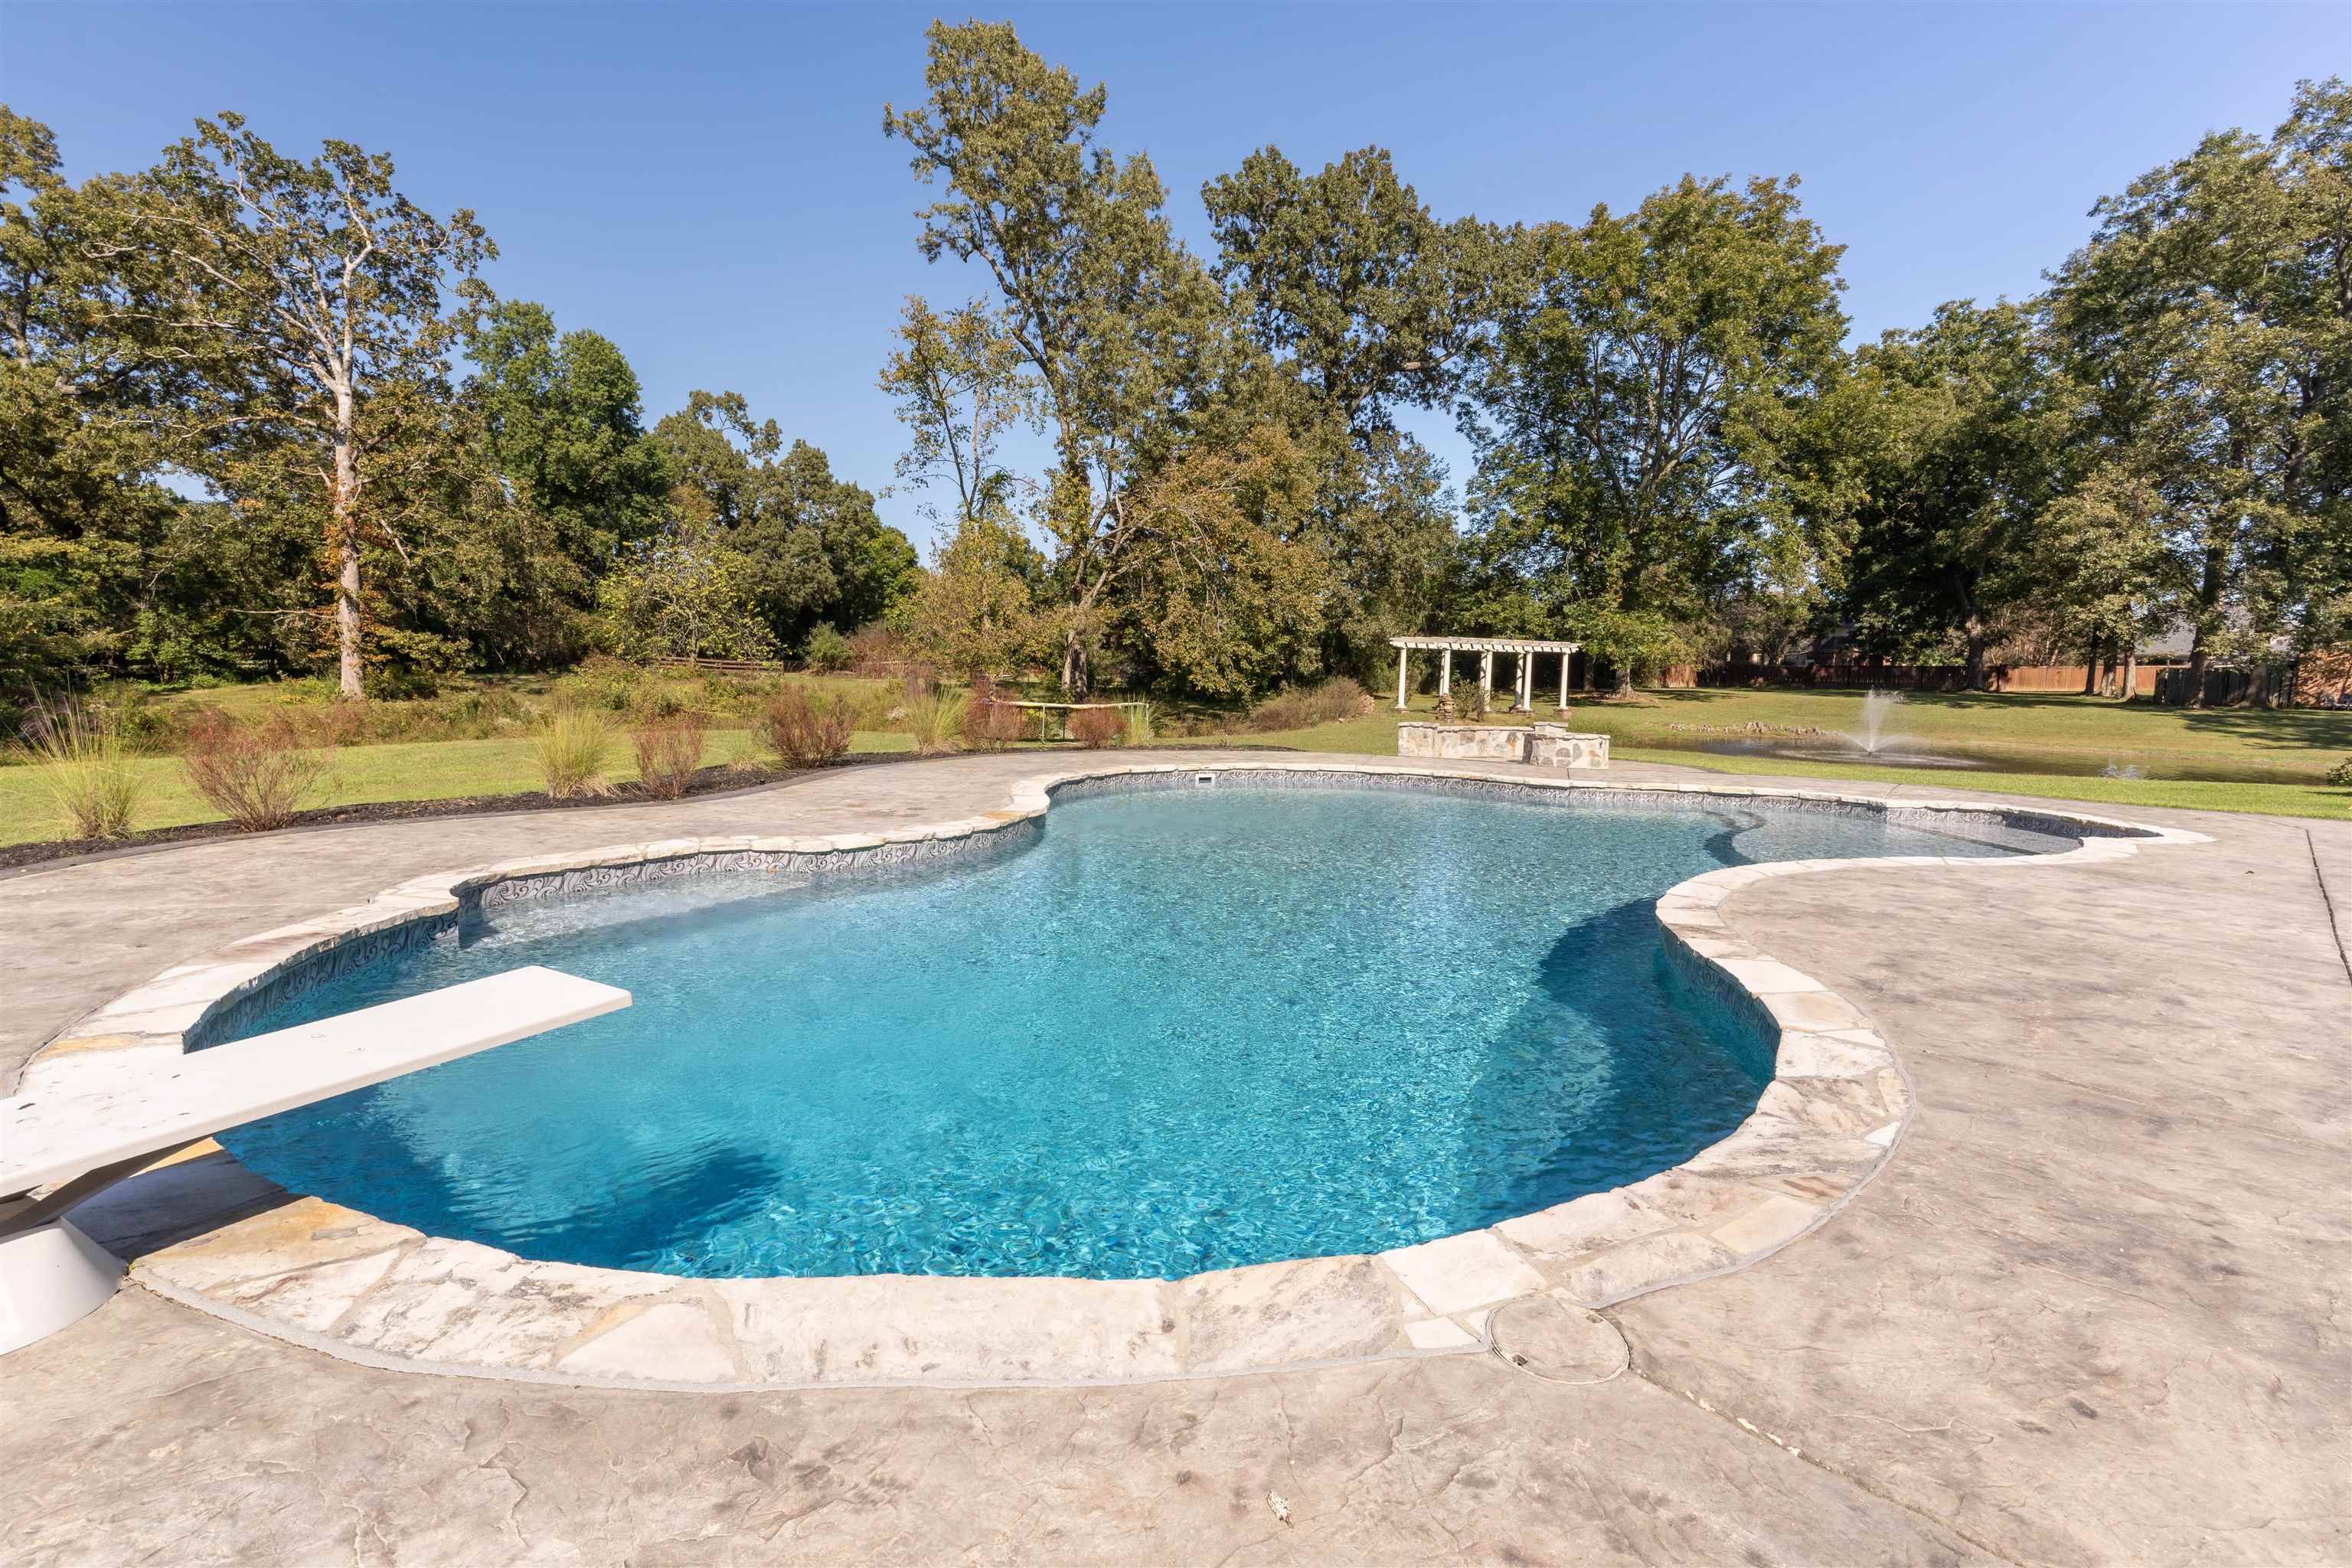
(51, 1276)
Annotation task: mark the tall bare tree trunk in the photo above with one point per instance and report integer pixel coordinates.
(2131, 673)
(345, 532)
(2209, 602)
(2091, 665)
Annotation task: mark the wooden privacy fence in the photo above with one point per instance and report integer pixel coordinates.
(776, 666)
(1915, 677)
(723, 665)
(2314, 682)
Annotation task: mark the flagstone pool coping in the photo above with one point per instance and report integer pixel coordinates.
(316, 1274)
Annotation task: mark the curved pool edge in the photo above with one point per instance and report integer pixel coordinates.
(350, 1285)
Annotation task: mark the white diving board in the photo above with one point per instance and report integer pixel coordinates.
(58, 1149)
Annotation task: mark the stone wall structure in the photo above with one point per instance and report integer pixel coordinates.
(1544, 746)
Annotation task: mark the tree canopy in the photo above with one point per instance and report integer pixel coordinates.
(259, 413)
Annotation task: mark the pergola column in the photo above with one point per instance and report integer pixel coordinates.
(1526, 681)
(1445, 673)
(1485, 676)
(1400, 659)
(1563, 680)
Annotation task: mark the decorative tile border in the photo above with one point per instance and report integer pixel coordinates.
(342, 1282)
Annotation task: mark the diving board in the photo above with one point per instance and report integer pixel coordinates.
(58, 1149)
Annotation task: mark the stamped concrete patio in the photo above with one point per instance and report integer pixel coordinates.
(2095, 1311)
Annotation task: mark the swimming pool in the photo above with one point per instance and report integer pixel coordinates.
(1181, 1032)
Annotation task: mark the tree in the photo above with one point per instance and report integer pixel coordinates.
(1232, 595)
(88, 570)
(1637, 399)
(961, 389)
(1348, 273)
(1346, 270)
(549, 474)
(1384, 523)
(292, 319)
(870, 564)
(974, 612)
(813, 548)
(2102, 567)
(1124, 330)
(683, 595)
(1960, 433)
(1362, 301)
(2211, 315)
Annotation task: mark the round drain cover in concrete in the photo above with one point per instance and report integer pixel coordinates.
(1556, 1342)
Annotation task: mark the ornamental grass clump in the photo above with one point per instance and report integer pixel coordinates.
(805, 732)
(933, 716)
(1134, 718)
(259, 777)
(89, 771)
(990, 721)
(571, 753)
(669, 754)
(1096, 727)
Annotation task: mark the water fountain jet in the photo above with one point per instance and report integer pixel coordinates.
(1875, 706)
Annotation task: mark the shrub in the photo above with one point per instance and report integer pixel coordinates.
(606, 683)
(669, 754)
(2341, 774)
(571, 747)
(876, 649)
(805, 732)
(1134, 718)
(1095, 728)
(991, 722)
(89, 769)
(479, 714)
(1302, 707)
(828, 650)
(657, 699)
(258, 776)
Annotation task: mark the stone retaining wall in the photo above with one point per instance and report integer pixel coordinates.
(1544, 745)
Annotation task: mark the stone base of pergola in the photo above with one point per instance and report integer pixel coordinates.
(1523, 689)
(1544, 745)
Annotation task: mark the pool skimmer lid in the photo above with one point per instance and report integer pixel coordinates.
(1558, 1341)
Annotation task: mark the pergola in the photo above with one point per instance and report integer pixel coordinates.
(1485, 648)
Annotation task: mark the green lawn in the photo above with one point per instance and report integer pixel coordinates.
(2026, 737)
(2014, 731)
(2076, 729)
(408, 770)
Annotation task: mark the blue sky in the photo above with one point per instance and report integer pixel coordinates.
(709, 188)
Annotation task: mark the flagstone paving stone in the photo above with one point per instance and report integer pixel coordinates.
(2093, 1310)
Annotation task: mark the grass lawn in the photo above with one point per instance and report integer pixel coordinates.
(2013, 732)
(2032, 743)
(406, 770)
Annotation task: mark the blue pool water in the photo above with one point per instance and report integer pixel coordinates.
(1181, 1032)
